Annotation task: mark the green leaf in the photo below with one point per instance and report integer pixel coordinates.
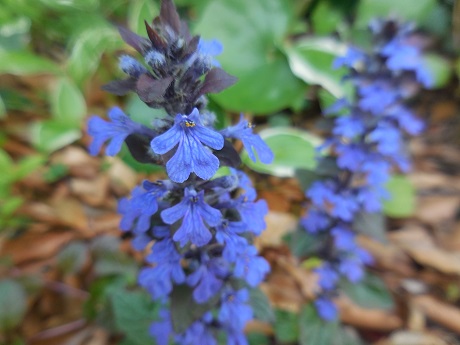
(134, 311)
(311, 60)
(286, 326)
(258, 339)
(402, 197)
(116, 263)
(250, 32)
(439, 69)
(25, 63)
(2, 109)
(184, 309)
(293, 149)
(12, 304)
(304, 244)
(371, 224)
(88, 48)
(14, 34)
(140, 10)
(326, 18)
(67, 102)
(10, 205)
(72, 258)
(261, 306)
(313, 330)
(371, 292)
(28, 165)
(408, 10)
(51, 135)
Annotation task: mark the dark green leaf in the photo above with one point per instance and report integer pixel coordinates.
(286, 326)
(313, 330)
(258, 339)
(261, 306)
(326, 18)
(303, 244)
(134, 311)
(12, 304)
(371, 224)
(371, 292)
(184, 309)
(250, 32)
(409, 10)
(72, 258)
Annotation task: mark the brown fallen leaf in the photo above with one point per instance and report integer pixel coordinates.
(387, 255)
(71, 212)
(32, 246)
(375, 319)
(278, 225)
(445, 314)
(435, 209)
(412, 338)
(93, 192)
(78, 160)
(416, 242)
(122, 178)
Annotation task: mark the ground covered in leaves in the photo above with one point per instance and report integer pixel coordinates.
(70, 274)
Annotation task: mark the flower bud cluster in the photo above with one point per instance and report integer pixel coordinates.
(367, 144)
(201, 227)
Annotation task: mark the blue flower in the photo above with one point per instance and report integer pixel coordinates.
(248, 265)
(209, 49)
(344, 239)
(162, 330)
(352, 57)
(327, 310)
(251, 142)
(377, 96)
(352, 268)
(351, 156)
(198, 333)
(142, 206)
(194, 211)
(387, 138)
(345, 206)
(320, 192)
(131, 66)
(228, 233)
(159, 279)
(328, 277)
(349, 126)
(245, 183)
(235, 311)
(208, 278)
(116, 131)
(252, 213)
(189, 135)
(315, 221)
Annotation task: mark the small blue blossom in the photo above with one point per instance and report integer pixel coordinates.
(352, 57)
(131, 66)
(155, 59)
(116, 131)
(162, 330)
(248, 265)
(208, 279)
(198, 333)
(328, 277)
(211, 48)
(191, 156)
(251, 141)
(159, 280)
(327, 310)
(349, 126)
(352, 268)
(344, 239)
(315, 221)
(193, 211)
(235, 311)
(252, 213)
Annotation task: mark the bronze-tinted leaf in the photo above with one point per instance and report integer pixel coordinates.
(216, 80)
(120, 87)
(152, 90)
(134, 40)
(156, 40)
(228, 156)
(168, 15)
(139, 147)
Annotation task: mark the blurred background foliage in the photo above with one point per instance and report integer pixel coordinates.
(55, 55)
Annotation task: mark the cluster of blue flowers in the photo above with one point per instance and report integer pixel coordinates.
(201, 228)
(367, 143)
